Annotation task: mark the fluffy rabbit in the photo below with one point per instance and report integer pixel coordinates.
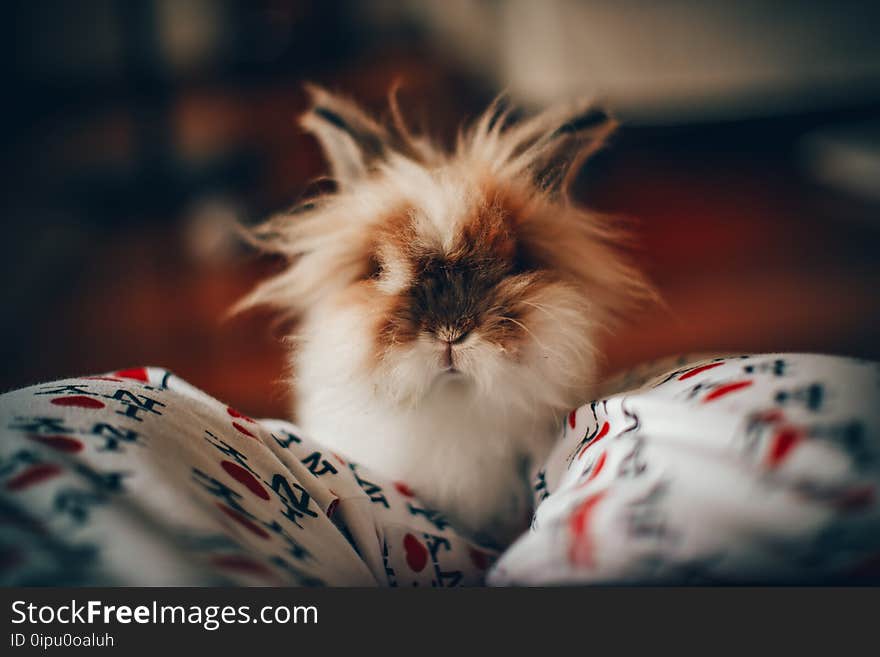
(447, 301)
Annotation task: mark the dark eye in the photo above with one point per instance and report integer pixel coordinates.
(374, 269)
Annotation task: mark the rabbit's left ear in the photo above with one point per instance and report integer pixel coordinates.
(352, 142)
(554, 144)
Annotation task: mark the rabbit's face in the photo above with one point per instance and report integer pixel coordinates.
(465, 293)
(428, 271)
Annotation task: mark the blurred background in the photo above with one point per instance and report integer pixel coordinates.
(138, 131)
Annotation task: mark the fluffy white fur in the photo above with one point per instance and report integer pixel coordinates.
(462, 439)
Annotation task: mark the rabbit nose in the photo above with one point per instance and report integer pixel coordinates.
(459, 337)
(450, 339)
(453, 335)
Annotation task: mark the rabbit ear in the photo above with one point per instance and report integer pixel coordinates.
(553, 145)
(352, 142)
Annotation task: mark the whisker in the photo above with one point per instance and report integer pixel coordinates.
(523, 327)
(542, 308)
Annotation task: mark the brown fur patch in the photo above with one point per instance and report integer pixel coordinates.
(478, 285)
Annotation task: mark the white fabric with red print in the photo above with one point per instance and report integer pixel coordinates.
(735, 469)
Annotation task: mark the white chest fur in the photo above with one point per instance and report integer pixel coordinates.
(469, 460)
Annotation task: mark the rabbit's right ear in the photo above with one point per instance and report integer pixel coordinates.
(352, 142)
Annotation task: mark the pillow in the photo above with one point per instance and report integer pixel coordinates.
(138, 478)
(739, 469)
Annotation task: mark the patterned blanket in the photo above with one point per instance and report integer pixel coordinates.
(719, 470)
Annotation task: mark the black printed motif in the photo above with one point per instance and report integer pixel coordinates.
(389, 571)
(64, 390)
(541, 491)
(221, 491)
(114, 437)
(227, 450)
(43, 425)
(295, 498)
(434, 517)
(597, 431)
(634, 463)
(442, 578)
(810, 396)
(17, 460)
(288, 439)
(77, 503)
(776, 367)
(294, 547)
(109, 482)
(317, 465)
(373, 491)
(135, 404)
(646, 517)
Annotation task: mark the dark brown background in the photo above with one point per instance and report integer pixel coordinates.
(106, 167)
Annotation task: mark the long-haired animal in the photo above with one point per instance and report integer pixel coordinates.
(447, 301)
